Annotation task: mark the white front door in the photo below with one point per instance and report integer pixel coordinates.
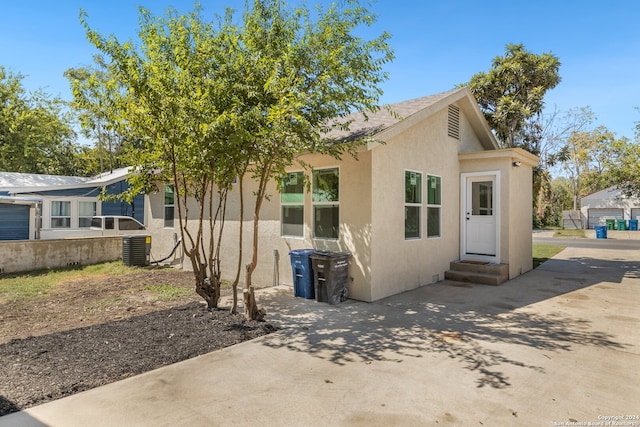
(480, 224)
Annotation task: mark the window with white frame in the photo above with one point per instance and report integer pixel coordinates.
(292, 204)
(326, 203)
(60, 214)
(86, 210)
(169, 206)
(412, 204)
(434, 205)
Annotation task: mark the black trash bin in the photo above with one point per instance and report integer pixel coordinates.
(302, 273)
(331, 276)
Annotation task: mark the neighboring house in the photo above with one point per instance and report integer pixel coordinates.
(434, 189)
(34, 206)
(609, 203)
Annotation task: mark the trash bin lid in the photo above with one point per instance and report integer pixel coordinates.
(302, 252)
(330, 254)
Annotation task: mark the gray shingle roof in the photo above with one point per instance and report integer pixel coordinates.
(383, 118)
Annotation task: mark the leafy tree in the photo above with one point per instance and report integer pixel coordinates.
(588, 158)
(300, 74)
(176, 100)
(624, 165)
(215, 101)
(36, 133)
(513, 91)
(546, 136)
(94, 93)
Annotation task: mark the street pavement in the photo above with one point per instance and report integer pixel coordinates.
(559, 345)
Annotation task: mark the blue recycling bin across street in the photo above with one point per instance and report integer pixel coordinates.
(302, 273)
(633, 224)
(601, 231)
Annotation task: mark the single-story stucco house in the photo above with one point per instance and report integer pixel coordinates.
(609, 203)
(33, 206)
(434, 188)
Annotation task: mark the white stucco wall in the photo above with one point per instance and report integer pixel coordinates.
(515, 202)
(354, 235)
(372, 212)
(398, 264)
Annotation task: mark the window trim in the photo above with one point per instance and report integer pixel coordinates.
(433, 205)
(165, 206)
(52, 216)
(333, 203)
(292, 204)
(80, 216)
(408, 204)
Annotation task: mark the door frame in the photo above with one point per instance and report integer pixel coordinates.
(497, 208)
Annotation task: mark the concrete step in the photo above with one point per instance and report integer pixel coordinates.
(482, 273)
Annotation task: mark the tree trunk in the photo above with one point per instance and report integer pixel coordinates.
(234, 308)
(251, 310)
(250, 305)
(209, 291)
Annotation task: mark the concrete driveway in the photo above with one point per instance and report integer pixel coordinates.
(560, 344)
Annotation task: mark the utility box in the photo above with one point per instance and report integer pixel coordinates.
(331, 276)
(136, 250)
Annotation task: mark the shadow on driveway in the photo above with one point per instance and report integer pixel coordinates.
(468, 323)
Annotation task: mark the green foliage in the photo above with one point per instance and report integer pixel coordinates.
(212, 101)
(178, 96)
(36, 134)
(595, 160)
(301, 73)
(94, 93)
(624, 166)
(513, 91)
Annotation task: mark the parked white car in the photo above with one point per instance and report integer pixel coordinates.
(106, 225)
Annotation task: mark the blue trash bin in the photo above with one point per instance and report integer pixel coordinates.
(633, 224)
(302, 273)
(601, 231)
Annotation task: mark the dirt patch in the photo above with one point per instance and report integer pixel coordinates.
(98, 330)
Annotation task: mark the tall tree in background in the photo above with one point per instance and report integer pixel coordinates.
(624, 165)
(513, 91)
(546, 136)
(94, 93)
(588, 159)
(36, 133)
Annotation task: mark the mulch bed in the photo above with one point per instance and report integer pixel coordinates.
(39, 369)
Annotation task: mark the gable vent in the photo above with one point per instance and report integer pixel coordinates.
(453, 123)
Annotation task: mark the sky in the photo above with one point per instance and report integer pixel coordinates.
(437, 44)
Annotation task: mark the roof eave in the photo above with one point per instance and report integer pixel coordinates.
(470, 107)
